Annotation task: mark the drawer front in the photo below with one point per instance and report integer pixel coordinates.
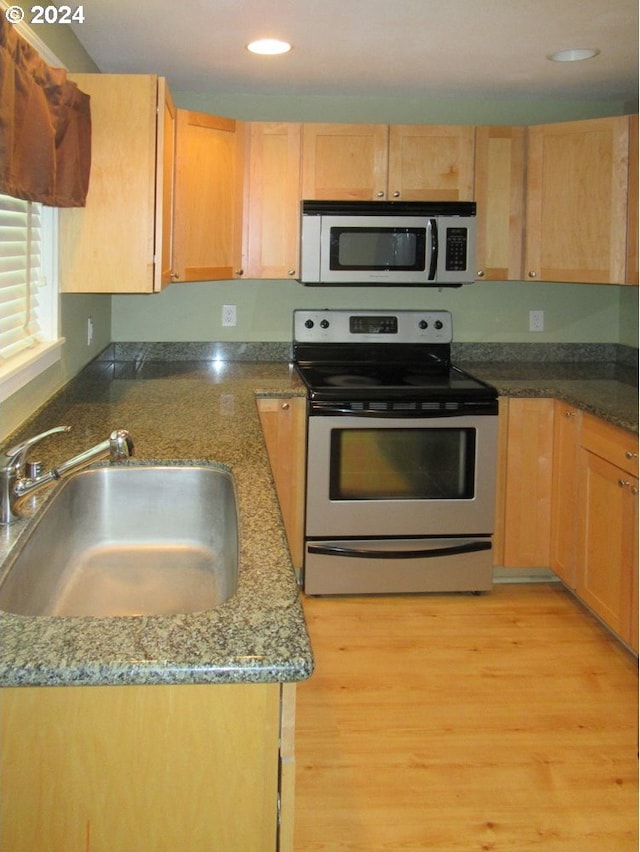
(618, 446)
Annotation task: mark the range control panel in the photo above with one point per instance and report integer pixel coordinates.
(361, 326)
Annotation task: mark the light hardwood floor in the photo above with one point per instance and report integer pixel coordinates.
(501, 722)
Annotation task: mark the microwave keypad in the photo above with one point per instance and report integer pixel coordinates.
(456, 249)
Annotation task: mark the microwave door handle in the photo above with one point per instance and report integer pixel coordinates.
(421, 553)
(432, 237)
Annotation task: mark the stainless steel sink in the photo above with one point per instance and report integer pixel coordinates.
(129, 540)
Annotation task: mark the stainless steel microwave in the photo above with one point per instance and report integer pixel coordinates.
(393, 243)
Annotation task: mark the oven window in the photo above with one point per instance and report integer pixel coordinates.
(377, 248)
(403, 464)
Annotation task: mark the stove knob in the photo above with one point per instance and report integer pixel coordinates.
(308, 323)
(423, 324)
(324, 323)
(438, 324)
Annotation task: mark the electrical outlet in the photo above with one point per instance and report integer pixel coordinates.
(89, 331)
(228, 315)
(536, 320)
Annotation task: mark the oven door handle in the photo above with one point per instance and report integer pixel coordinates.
(329, 409)
(421, 553)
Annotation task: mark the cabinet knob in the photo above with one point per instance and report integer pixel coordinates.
(174, 276)
(396, 194)
(630, 455)
(239, 271)
(291, 272)
(380, 194)
(569, 414)
(480, 273)
(533, 274)
(285, 406)
(624, 483)
(634, 490)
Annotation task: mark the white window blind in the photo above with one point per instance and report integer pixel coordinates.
(29, 337)
(20, 276)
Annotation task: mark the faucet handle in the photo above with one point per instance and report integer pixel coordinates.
(17, 455)
(120, 445)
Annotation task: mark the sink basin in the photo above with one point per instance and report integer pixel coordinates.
(129, 540)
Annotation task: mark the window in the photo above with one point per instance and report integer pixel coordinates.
(29, 338)
(29, 330)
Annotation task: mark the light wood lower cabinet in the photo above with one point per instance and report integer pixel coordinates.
(283, 421)
(586, 472)
(564, 529)
(140, 768)
(607, 525)
(524, 502)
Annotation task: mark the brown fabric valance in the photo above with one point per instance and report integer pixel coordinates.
(45, 127)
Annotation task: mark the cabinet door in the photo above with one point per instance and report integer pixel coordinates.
(632, 228)
(208, 197)
(165, 186)
(140, 768)
(272, 200)
(499, 193)
(344, 162)
(108, 245)
(564, 510)
(283, 423)
(577, 201)
(527, 483)
(430, 163)
(608, 535)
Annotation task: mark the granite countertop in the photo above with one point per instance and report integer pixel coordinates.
(600, 389)
(177, 411)
(185, 409)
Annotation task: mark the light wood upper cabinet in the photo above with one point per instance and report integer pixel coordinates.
(121, 240)
(577, 187)
(272, 200)
(632, 225)
(208, 197)
(430, 163)
(165, 186)
(500, 154)
(344, 162)
(364, 162)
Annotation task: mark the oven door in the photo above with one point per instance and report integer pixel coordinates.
(370, 476)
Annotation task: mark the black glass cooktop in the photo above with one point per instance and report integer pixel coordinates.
(357, 381)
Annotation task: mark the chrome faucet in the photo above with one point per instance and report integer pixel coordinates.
(17, 480)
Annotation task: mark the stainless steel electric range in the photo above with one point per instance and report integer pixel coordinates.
(401, 455)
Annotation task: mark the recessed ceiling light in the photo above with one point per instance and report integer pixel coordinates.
(574, 54)
(269, 46)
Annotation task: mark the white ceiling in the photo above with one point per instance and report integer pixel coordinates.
(415, 48)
